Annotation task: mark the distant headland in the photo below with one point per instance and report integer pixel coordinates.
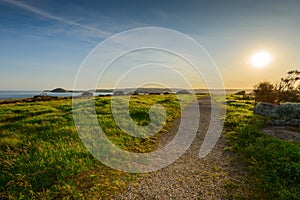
(144, 90)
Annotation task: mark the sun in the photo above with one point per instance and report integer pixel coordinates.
(261, 59)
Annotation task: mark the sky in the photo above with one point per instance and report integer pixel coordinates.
(44, 43)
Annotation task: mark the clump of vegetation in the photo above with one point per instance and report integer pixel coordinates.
(273, 164)
(287, 90)
(265, 92)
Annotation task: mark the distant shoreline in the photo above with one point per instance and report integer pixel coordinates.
(17, 94)
(144, 90)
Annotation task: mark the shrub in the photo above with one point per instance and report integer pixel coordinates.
(287, 90)
(265, 92)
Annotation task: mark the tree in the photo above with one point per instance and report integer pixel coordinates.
(288, 88)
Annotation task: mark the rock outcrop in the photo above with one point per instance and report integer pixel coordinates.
(266, 109)
(86, 94)
(243, 92)
(287, 114)
(118, 93)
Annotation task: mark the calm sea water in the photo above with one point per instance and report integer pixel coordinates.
(28, 94)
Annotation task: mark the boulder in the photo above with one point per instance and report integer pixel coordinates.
(86, 94)
(266, 109)
(243, 92)
(43, 98)
(289, 111)
(287, 114)
(118, 93)
(182, 92)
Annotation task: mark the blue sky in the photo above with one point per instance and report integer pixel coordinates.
(43, 42)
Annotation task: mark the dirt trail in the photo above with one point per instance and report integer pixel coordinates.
(189, 177)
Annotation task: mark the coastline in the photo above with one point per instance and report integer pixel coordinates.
(19, 94)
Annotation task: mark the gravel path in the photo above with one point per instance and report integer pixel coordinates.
(189, 177)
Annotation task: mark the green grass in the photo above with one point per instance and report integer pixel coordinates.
(273, 164)
(42, 156)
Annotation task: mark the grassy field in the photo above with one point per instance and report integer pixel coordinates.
(273, 164)
(42, 156)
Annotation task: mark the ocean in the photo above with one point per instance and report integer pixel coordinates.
(27, 94)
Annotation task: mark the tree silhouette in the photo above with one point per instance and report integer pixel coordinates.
(288, 88)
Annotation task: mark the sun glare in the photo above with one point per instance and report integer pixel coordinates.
(261, 59)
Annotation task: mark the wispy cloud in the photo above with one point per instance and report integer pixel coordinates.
(50, 16)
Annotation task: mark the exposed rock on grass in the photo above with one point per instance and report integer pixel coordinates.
(287, 114)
